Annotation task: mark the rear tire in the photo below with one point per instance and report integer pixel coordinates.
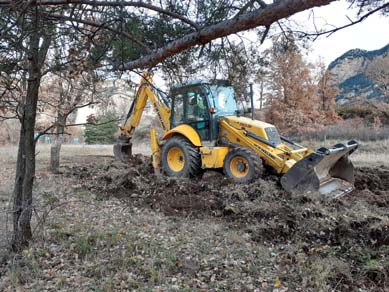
(180, 158)
(242, 165)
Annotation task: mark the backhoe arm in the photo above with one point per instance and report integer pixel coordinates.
(145, 92)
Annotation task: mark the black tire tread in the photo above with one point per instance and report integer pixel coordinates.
(253, 158)
(194, 169)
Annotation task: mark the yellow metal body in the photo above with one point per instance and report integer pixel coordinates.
(213, 157)
(323, 171)
(254, 126)
(186, 131)
(176, 159)
(235, 130)
(146, 92)
(155, 151)
(239, 167)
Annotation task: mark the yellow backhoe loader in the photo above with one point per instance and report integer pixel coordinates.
(201, 130)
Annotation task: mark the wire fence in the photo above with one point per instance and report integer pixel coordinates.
(5, 220)
(39, 215)
(70, 154)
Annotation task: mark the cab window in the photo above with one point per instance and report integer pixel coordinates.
(189, 105)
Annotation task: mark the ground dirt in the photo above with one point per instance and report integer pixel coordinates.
(109, 226)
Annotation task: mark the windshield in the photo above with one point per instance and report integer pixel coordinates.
(223, 99)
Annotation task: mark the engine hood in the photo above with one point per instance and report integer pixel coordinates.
(254, 126)
(246, 123)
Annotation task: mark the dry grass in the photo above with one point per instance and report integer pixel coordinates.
(371, 154)
(370, 159)
(91, 243)
(8, 153)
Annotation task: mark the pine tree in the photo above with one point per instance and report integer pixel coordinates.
(103, 131)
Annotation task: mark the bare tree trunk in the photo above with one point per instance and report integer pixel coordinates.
(55, 150)
(25, 170)
(25, 167)
(18, 239)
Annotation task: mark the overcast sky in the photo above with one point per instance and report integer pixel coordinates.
(371, 34)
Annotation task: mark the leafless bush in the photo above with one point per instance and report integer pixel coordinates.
(348, 129)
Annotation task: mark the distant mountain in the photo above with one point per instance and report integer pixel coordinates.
(353, 73)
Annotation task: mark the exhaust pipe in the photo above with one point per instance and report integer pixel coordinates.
(328, 171)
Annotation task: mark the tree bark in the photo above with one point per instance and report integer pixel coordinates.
(25, 171)
(264, 16)
(245, 21)
(55, 150)
(25, 166)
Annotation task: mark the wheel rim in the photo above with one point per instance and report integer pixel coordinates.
(175, 159)
(239, 166)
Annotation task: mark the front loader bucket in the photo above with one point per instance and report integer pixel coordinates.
(122, 149)
(328, 171)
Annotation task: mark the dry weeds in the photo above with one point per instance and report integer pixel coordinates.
(102, 226)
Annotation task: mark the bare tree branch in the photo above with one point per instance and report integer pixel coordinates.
(138, 4)
(45, 131)
(265, 33)
(248, 5)
(352, 22)
(259, 17)
(100, 25)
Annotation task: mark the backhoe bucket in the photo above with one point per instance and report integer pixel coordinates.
(328, 171)
(122, 149)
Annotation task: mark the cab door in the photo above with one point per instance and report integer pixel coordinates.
(190, 106)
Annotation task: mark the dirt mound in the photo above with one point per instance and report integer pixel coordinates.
(213, 193)
(136, 183)
(375, 179)
(276, 215)
(354, 229)
(372, 186)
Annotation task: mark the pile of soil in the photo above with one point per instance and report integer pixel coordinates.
(137, 184)
(354, 228)
(372, 186)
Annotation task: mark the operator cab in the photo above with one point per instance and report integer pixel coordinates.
(201, 104)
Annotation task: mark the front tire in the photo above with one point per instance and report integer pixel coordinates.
(180, 158)
(242, 165)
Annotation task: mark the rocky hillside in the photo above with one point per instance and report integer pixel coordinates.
(362, 75)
